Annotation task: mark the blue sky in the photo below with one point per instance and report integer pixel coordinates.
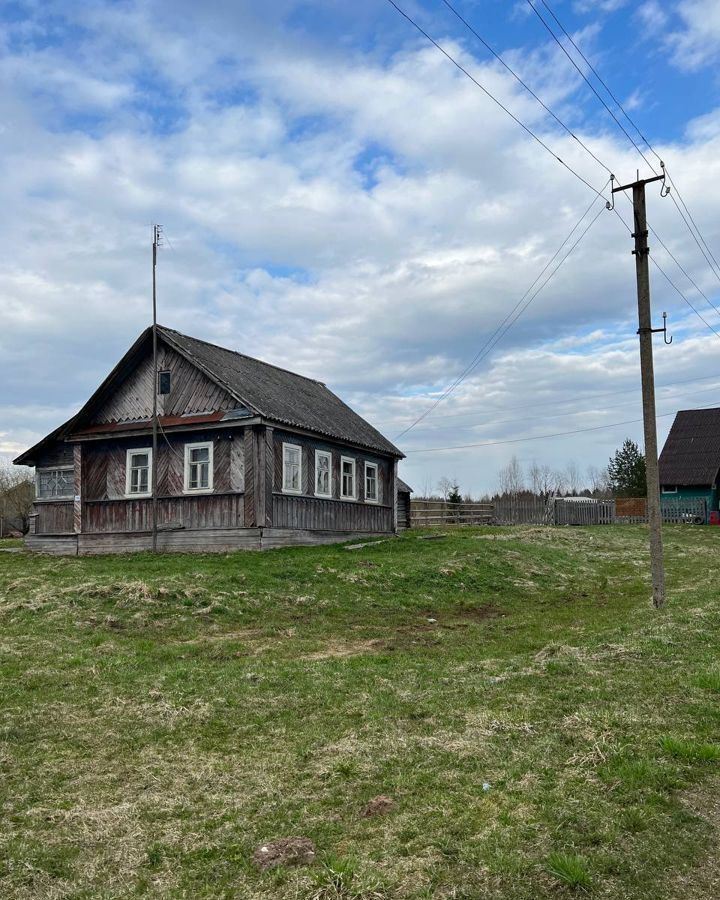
(340, 200)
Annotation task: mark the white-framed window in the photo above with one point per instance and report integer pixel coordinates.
(138, 479)
(347, 478)
(670, 490)
(371, 482)
(292, 469)
(198, 467)
(52, 484)
(323, 473)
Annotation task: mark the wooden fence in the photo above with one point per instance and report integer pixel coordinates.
(439, 512)
(550, 511)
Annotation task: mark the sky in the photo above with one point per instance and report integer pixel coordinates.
(338, 198)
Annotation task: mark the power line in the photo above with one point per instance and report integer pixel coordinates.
(516, 311)
(525, 85)
(492, 97)
(701, 242)
(589, 83)
(473, 410)
(578, 412)
(539, 437)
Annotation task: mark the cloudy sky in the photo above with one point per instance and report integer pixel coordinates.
(340, 199)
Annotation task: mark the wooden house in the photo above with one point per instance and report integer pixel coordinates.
(690, 459)
(249, 455)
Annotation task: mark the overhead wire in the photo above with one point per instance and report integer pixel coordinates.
(520, 307)
(539, 437)
(687, 215)
(492, 97)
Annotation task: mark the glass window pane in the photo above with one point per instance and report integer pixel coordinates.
(200, 454)
(139, 459)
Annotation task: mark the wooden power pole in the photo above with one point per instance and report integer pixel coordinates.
(157, 237)
(645, 332)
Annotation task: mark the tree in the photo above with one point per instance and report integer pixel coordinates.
(598, 481)
(454, 496)
(572, 478)
(626, 471)
(17, 492)
(445, 486)
(511, 478)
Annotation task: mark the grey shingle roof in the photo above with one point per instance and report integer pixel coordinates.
(279, 395)
(691, 455)
(403, 487)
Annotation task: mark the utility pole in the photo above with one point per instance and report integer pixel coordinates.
(645, 332)
(157, 241)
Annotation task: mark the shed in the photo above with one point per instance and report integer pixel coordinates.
(403, 504)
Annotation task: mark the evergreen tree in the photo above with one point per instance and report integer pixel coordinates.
(626, 471)
(454, 495)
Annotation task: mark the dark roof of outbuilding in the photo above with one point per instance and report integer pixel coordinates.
(691, 455)
(403, 488)
(278, 394)
(275, 394)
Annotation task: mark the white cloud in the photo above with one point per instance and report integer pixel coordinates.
(697, 43)
(362, 220)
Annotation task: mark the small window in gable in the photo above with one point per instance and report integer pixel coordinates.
(198, 467)
(137, 472)
(371, 482)
(347, 478)
(164, 382)
(292, 469)
(54, 483)
(323, 473)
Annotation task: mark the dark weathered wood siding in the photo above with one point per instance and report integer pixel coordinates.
(191, 392)
(306, 511)
(54, 517)
(105, 463)
(197, 512)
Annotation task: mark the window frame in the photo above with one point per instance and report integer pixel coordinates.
(138, 495)
(376, 467)
(199, 445)
(353, 461)
(667, 490)
(168, 373)
(57, 498)
(286, 490)
(328, 455)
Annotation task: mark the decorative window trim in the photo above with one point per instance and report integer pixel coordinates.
(325, 454)
(376, 467)
(287, 490)
(135, 495)
(57, 497)
(200, 445)
(352, 461)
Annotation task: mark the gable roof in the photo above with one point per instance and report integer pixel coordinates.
(691, 455)
(275, 394)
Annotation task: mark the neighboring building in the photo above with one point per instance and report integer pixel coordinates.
(249, 456)
(690, 459)
(403, 504)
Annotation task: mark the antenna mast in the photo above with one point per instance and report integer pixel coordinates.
(157, 242)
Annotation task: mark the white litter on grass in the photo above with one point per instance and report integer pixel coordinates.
(486, 785)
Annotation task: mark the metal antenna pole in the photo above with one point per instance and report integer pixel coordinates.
(645, 332)
(153, 465)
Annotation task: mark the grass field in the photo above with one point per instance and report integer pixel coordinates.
(162, 717)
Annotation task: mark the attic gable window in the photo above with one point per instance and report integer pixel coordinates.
(198, 467)
(137, 472)
(164, 382)
(292, 469)
(54, 483)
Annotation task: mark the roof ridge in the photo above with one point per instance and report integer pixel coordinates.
(243, 355)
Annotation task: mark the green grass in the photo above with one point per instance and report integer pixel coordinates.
(161, 717)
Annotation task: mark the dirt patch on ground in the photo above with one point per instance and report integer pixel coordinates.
(292, 851)
(343, 649)
(378, 806)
